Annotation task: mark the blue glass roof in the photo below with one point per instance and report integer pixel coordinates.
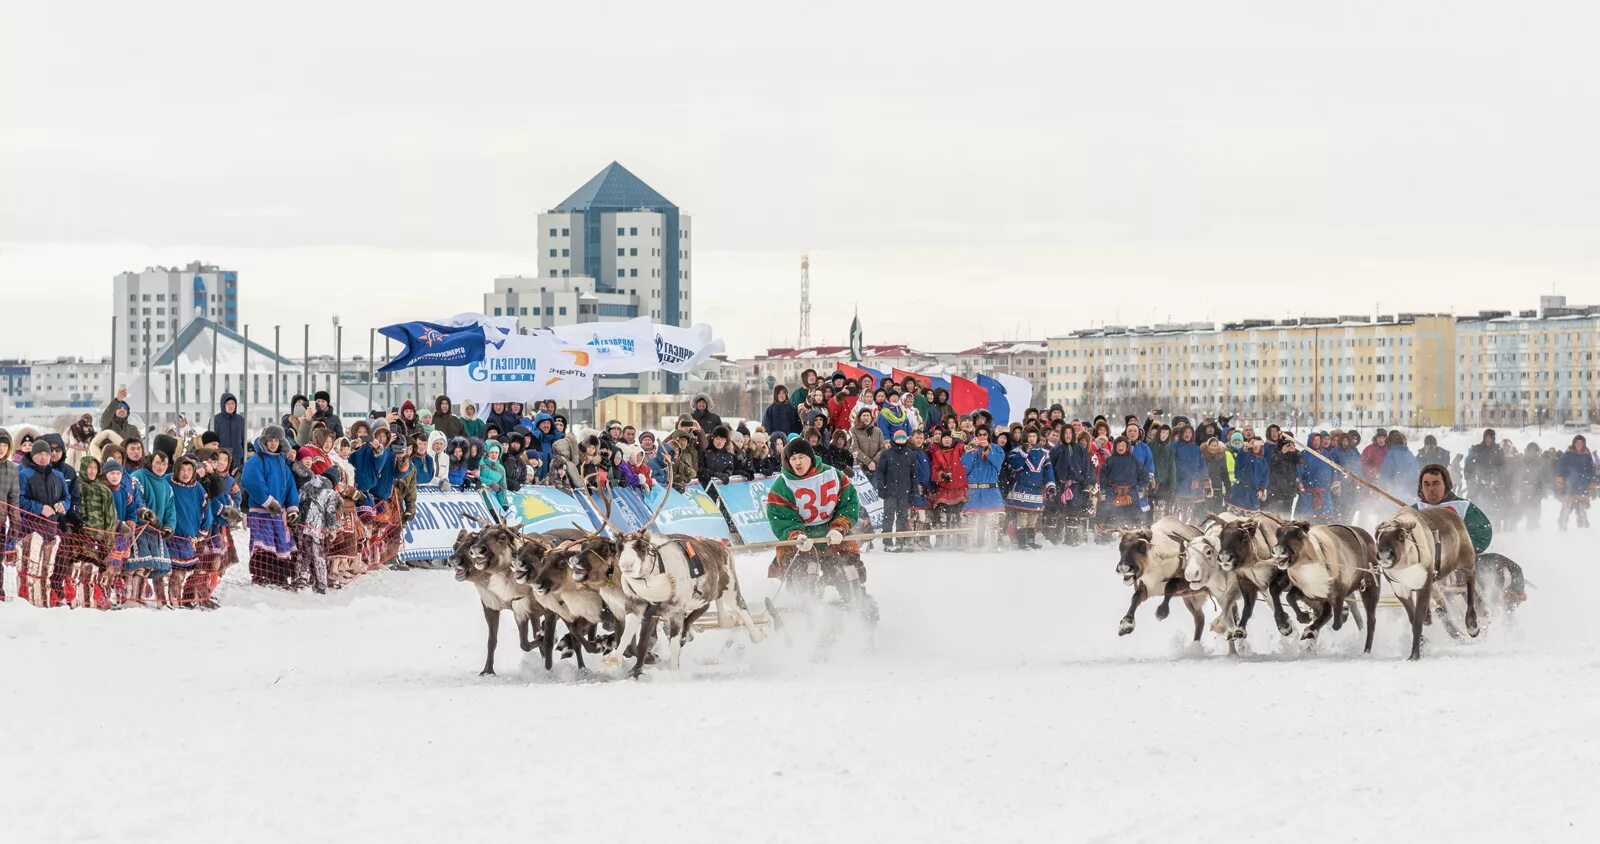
(615, 189)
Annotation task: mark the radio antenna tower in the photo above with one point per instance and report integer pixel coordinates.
(805, 301)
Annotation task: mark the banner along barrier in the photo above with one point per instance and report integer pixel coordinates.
(539, 509)
(440, 517)
(692, 512)
(746, 503)
(629, 511)
(867, 494)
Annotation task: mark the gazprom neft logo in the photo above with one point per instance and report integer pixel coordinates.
(670, 353)
(606, 346)
(505, 369)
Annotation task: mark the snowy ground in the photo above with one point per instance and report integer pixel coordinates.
(360, 717)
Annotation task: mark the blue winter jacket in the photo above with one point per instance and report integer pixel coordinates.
(919, 495)
(1400, 468)
(425, 467)
(888, 427)
(374, 471)
(1191, 469)
(127, 498)
(1576, 471)
(26, 474)
(1147, 460)
(983, 480)
(543, 440)
(1123, 470)
(1315, 474)
(1250, 473)
(229, 428)
(1032, 472)
(267, 476)
(191, 516)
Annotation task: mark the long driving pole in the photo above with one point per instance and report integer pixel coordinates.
(244, 380)
(1346, 472)
(214, 334)
(388, 378)
(372, 342)
(277, 371)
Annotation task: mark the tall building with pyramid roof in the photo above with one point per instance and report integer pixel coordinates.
(613, 250)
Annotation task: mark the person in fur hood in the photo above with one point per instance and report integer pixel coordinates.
(866, 441)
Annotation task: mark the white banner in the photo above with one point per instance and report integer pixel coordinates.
(616, 348)
(683, 350)
(525, 368)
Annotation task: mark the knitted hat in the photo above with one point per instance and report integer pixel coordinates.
(900, 436)
(799, 446)
(40, 447)
(111, 466)
(322, 395)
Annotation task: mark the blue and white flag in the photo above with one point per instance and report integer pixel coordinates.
(433, 344)
(999, 401)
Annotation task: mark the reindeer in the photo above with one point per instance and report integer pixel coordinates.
(1244, 547)
(1329, 564)
(1150, 560)
(1204, 573)
(660, 573)
(484, 560)
(1418, 548)
(543, 567)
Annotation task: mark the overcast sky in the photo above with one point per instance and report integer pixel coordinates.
(962, 171)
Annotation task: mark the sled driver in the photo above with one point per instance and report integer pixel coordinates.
(1434, 489)
(811, 501)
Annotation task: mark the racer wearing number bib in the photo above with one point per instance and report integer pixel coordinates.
(810, 501)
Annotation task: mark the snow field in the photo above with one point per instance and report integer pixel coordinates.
(998, 704)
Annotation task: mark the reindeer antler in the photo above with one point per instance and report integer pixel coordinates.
(666, 493)
(605, 518)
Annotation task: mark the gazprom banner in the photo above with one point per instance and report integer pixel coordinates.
(616, 348)
(746, 503)
(867, 494)
(440, 518)
(524, 368)
(538, 509)
(691, 511)
(629, 511)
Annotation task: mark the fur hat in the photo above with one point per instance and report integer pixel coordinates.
(272, 432)
(723, 432)
(166, 444)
